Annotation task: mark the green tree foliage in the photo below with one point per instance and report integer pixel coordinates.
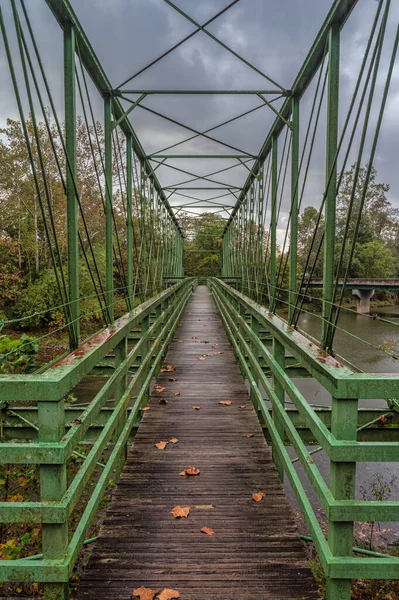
(376, 249)
(203, 247)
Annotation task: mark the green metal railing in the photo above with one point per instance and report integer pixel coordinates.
(136, 346)
(264, 346)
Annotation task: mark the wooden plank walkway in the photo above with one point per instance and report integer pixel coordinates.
(255, 552)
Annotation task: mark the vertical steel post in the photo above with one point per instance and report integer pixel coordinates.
(279, 355)
(331, 175)
(273, 226)
(108, 206)
(120, 356)
(53, 485)
(129, 224)
(294, 208)
(71, 200)
(344, 416)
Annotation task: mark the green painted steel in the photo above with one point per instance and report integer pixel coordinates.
(147, 257)
(72, 205)
(337, 437)
(54, 444)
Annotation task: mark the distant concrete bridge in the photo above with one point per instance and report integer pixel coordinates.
(362, 288)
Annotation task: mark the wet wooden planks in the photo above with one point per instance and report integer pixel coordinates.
(255, 552)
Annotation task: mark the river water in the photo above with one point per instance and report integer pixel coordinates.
(364, 355)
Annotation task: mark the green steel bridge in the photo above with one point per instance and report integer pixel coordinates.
(154, 320)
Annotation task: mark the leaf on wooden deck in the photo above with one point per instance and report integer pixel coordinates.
(210, 354)
(258, 496)
(207, 530)
(202, 358)
(220, 352)
(146, 408)
(174, 440)
(190, 471)
(250, 435)
(243, 406)
(215, 346)
(145, 593)
(193, 337)
(196, 407)
(180, 511)
(159, 388)
(172, 379)
(168, 369)
(163, 401)
(168, 594)
(226, 402)
(162, 445)
(176, 394)
(179, 341)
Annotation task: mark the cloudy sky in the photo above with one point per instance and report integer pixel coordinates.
(273, 35)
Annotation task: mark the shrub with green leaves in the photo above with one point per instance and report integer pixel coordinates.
(17, 355)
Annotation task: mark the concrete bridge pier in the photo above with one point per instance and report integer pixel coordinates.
(363, 300)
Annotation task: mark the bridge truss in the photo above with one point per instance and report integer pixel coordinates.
(144, 231)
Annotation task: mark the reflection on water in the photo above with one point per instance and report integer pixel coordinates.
(364, 333)
(365, 356)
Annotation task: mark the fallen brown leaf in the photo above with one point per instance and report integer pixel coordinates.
(168, 594)
(207, 530)
(220, 352)
(176, 394)
(209, 354)
(250, 435)
(180, 511)
(226, 402)
(215, 346)
(258, 497)
(243, 406)
(162, 445)
(163, 401)
(202, 358)
(193, 337)
(190, 471)
(174, 440)
(196, 407)
(145, 593)
(168, 369)
(159, 388)
(146, 408)
(180, 341)
(172, 379)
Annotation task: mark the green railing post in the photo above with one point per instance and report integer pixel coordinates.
(331, 175)
(120, 355)
(144, 326)
(255, 326)
(279, 355)
(53, 485)
(294, 208)
(273, 226)
(129, 223)
(344, 416)
(71, 200)
(108, 207)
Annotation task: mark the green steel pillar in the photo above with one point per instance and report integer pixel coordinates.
(279, 355)
(71, 200)
(331, 175)
(108, 207)
(294, 208)
(259, 249)
(273, 226)
(129, 224)
(53, 485)
(120, 356)
(344, 416)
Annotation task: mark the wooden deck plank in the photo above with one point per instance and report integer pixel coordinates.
(255, 552)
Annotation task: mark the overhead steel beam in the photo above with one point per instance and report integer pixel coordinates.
(65, 15)
(338, 14)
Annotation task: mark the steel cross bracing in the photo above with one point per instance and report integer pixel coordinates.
(145, 224)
